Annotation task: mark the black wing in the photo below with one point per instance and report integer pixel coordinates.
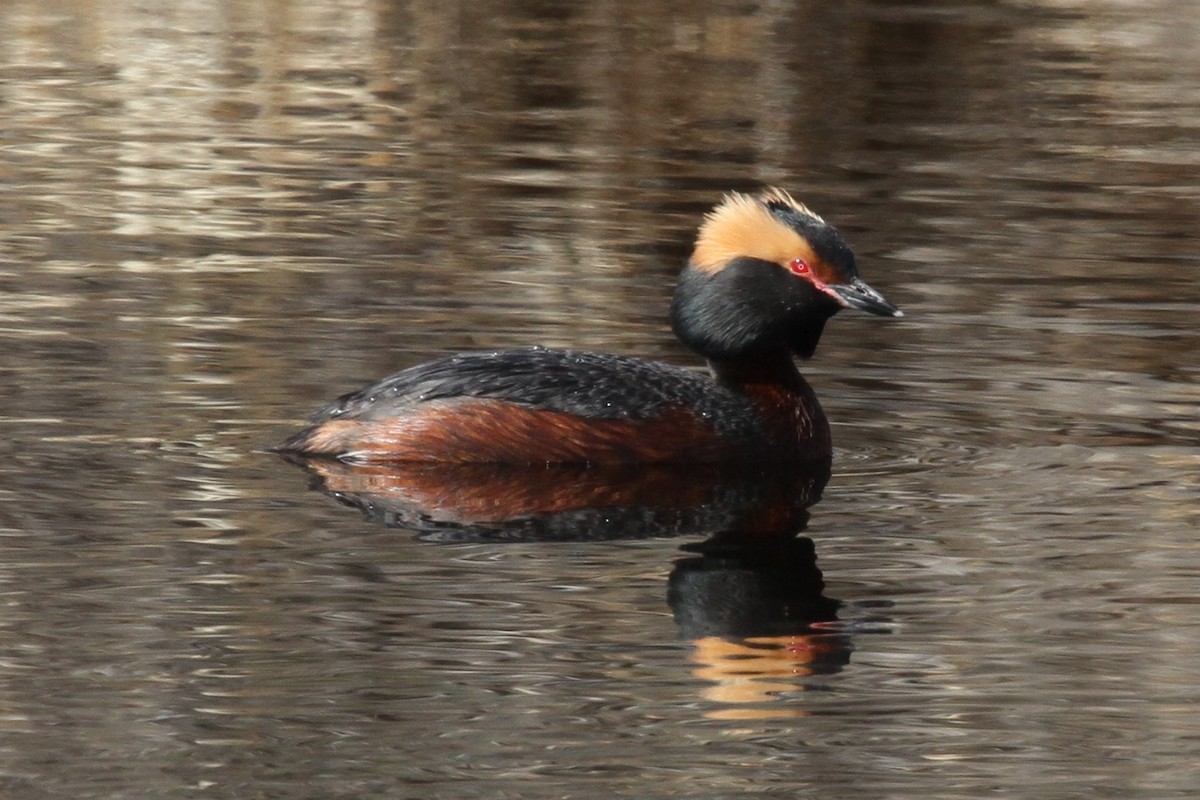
(592, 385)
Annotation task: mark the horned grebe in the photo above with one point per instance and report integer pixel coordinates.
(765, 275)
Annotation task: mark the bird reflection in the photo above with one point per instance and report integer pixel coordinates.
(749, 596)
(565, 502)
(754, 609)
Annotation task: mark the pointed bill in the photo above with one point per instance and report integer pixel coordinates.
(857, 294)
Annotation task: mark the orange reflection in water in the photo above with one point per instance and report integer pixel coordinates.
(749, 675)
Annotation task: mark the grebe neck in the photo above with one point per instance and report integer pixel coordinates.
(788, 410)
(776, 368)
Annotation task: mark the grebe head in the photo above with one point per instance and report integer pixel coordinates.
(765, 275)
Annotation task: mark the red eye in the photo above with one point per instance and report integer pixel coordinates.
(799, 266)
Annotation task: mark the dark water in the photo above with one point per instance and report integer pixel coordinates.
(216, 215)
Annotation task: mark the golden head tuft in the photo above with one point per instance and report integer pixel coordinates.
(744, 226)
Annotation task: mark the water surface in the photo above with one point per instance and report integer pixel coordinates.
(216, 216)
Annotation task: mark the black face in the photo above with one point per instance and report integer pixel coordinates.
(748, 309)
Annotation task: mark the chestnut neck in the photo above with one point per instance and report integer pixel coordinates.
(793, 423)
